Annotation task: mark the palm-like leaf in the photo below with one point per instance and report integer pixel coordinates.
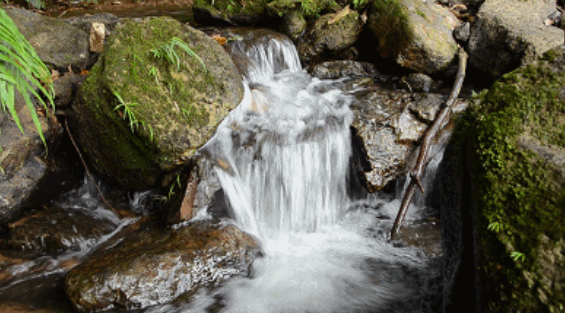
(21, 68)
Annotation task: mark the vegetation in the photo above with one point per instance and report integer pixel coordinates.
(521, 198)
(167, 52)
(22, 69)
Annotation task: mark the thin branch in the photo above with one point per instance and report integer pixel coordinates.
(440, 121)
(86, 168)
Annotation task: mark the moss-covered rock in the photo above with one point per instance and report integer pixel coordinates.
(232, 12)
(329, 35)
(175, 106)
(309, 8)
(416, 34)
(515, 134)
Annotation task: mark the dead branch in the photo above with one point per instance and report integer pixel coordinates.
(439, 123)
(87, 171)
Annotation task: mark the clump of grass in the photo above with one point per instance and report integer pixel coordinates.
(128, 113)
(21, 68)
(167, 52)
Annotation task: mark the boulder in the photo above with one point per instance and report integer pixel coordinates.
(293, 25)
(57, 44)
(416, 34)
(157, 265)
(328, 35)
(509, 33)
(141, 112)
(509, 156)
(229, 12)
(345, 69)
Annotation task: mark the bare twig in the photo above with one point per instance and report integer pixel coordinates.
(416, 173)
(86, 168)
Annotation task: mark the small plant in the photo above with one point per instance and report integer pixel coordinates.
(21, 68)
(496, 227)
(129, 113)
(172, 189)
(167, 52)
(517, 256)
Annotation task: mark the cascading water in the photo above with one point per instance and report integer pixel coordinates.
(282, 158)
(286, 148)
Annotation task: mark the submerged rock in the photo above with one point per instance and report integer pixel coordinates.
(143, 112)
(416, 34)
(54, 231)
(508, 33)
(157, 265)
(58, 44)
(508, 161)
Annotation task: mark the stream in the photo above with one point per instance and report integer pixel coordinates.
(287, 147)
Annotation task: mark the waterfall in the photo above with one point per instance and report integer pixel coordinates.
(285, 149)
(282, 157)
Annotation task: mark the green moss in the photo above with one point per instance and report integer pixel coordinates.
(229, 7)
(309, 8)
(517, 188)
(422, 14)
(390, 24)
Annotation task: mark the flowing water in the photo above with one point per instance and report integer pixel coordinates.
(283, 160)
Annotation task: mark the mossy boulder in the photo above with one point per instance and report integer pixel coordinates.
(328, 35)
(139, 115)
(232, 12)
(416, 34)
(156, 265)
(514, 136)
(309, 9)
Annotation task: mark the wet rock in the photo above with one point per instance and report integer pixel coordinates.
(508, 158)
(417, 82)
(330, 34)
(293, 25)
(507, 34)
(227, 12)
(57, 44)
(176, 107)
(416, 34)
(54, 231)
(388, 131)
(343, 69)
(65, 88)
(155, 266)
(427, 106)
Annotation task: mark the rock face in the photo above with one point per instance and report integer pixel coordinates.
(511, 146)
(509, 33)
(416, 34)
(158, 265)
(329, 35)
(142, 111)
(57, 44)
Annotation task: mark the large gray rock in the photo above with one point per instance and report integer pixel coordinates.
(329, 35)
(508, 33)
(176, 107)
(416, 34)
(58, 44)
(155, 266)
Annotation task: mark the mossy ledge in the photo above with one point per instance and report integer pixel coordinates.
(389, 21)
(520, 192)
(177, 109)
